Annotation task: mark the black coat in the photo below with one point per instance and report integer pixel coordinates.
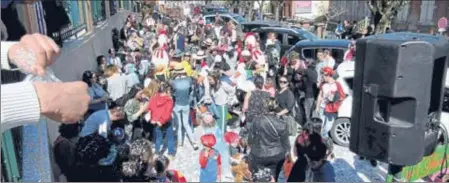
(268, 136)
(309, 80)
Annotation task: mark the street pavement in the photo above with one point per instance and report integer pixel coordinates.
(347, 165)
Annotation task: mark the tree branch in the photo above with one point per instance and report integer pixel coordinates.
(380, 4)
(372, 7)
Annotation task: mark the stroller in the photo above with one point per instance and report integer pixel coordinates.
(237, 116)
(315, 125)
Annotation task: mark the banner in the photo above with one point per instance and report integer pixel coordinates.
(303, 6)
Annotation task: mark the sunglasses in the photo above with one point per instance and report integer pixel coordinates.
(283, 82)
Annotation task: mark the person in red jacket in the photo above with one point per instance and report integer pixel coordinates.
(160, 109)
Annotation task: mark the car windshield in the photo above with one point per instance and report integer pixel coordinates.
(306, 34)
(216, 10)
(239, 18)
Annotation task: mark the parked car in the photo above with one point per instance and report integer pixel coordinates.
(206, 10)
(235, 18)
(288, 36)
(308, 49)
(249, 26)
(341, 129)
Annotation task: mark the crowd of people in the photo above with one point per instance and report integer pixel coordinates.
(169, 78)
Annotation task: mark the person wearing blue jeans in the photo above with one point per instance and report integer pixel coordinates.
(330, 93)
(328, 122)
(167, 131)
(182, 88)
(182, 116)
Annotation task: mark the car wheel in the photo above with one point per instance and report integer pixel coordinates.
(341, 131)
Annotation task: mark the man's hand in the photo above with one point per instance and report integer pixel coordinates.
(34, 53)
(64, 102)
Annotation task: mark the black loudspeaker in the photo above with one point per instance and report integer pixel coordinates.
(397, 96)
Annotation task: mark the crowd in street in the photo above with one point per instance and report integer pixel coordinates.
(167, 78)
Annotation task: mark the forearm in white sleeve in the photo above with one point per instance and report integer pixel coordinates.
(5, 45)
(19, 106)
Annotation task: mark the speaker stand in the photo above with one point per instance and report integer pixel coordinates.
(394, 173)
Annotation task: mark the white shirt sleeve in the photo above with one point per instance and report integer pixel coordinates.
(5, 45)
(331, 62)
(118, 62)
(19, 106)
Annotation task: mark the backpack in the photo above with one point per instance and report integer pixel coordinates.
(340, 29)
(339, 96)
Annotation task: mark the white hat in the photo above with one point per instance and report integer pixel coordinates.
(208, 41)
(246, 53)
(199, 55)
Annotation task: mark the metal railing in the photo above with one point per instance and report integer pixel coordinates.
(68, 32)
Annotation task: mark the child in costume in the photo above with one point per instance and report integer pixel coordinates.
(256, 54)
(211, 127)
(161, 164)
(233, 139)
(160, 57)
(210, 160)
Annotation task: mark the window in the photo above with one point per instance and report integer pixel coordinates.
(239, 19)
(338, 54)
(263, 35)
(210, 20)
(350, 82)
(427, 8)
(247, 28)
(309, 53)
(126, 5)
(113, 7)
(72, 9)
(225, 18)
(292, 39)
(98, 10)
(280, 37)
(403, 13)
(308, 35)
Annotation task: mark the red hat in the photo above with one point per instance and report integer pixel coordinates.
(249, 34)
(177, 176)
(203, 64)
(327, 71)
(208, 140)
(231, 137)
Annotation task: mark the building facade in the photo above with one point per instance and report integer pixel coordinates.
(26, 151)
(305, 9)
(416, 16)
